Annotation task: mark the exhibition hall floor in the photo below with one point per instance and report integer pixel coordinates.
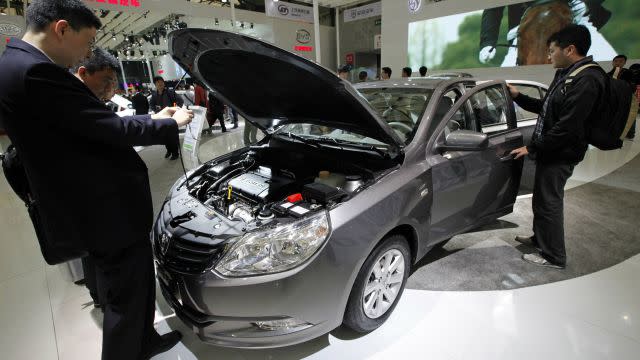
(591, 310)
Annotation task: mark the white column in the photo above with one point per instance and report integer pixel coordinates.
(338, 36)
(233, 15)
(124, 77)
(150, 71)
(316, 30)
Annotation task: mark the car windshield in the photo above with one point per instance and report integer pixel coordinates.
(401, 108)
(320, 135)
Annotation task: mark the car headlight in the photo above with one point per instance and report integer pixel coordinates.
(275, 249)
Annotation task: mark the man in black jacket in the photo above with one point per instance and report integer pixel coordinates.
(559, 139)
(94, 196)
(160, 99)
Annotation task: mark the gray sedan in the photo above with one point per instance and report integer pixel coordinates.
(320, 223)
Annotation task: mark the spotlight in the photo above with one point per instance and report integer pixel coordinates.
(251, 25)
(113, 36)
(217, 22)
(242, 24)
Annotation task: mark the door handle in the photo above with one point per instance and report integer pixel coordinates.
(507, 158)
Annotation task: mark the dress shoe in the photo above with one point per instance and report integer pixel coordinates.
(167, 341)
(167, 155)
(174, 157)
(528, 240)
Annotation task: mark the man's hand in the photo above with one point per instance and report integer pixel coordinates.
(520, 152)
(166, 113)
(513, 91)
(183, 117)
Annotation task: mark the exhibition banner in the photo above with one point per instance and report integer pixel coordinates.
(363, 12)
(516, 35)
(192, 136)
(285, 10)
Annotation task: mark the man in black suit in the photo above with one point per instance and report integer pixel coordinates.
(98, 73)
(140, 102)
(160, 99)
(95, 194)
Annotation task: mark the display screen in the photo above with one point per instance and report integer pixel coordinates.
(516, 35)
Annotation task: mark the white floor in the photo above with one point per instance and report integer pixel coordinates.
(43, 315)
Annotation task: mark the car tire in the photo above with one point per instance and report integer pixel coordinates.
(356, 317)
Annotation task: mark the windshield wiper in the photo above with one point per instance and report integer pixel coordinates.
(311, 142)
(354, 144)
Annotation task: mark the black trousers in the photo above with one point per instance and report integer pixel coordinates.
(126, 282)
(548, 210)
(172, 149)
(90, 281)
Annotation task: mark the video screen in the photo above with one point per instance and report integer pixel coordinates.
(516, 35)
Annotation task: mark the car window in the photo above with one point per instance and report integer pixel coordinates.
(531, 91)
(401, 108)
(490, 109)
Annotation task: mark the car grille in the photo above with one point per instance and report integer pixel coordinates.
(188, 257)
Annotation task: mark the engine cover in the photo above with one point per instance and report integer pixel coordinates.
(261, 185)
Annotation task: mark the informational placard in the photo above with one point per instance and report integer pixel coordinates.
(377, 41)
(285, 10)
(363, 12)
(192, 137)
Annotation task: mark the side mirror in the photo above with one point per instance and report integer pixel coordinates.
(465, 140)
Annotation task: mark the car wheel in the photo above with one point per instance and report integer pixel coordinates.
(379, 285)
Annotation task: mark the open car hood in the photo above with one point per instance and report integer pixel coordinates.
(270, 86)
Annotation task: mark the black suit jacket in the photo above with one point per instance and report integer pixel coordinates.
(167, 99)
(91, 187)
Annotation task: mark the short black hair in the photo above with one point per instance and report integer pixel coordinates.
(362, 75)
(41, 13)
(576, 35)
(99, 60)
(407, 70)
(387, 70)
(620, 56)
(158, 78)
(344, 69)
(423, 70)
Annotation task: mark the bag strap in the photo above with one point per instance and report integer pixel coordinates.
(577, 71)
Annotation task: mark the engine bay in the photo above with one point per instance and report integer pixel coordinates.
(265, 183)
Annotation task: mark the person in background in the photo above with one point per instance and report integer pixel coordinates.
(163, 98)
(140, 102)
(406, 72)
(619, 71)
(635, 78)
(343, 72)
(423, 71)
(362, 76)
(386, 73)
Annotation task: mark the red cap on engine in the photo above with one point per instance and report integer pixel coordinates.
(294, 198)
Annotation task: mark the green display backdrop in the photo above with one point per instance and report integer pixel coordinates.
(457, 41)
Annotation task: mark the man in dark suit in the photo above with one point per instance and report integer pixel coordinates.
(160, 99)
(140, 102)
(94, 195)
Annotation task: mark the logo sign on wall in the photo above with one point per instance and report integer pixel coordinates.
(414, 6)
(350, 58)
(123, 3)
(377, 41)
(10, 29)
(285, 10)
(363, 12)
(303, 36)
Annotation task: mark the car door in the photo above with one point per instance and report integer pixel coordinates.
(471, 187)
(527, 120)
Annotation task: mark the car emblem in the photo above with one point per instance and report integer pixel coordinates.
(165, 241)
(414, 6)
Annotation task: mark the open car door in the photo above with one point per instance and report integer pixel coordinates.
(475, 179)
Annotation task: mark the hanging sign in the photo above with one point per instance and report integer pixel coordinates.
(285, 10)
(363, 12)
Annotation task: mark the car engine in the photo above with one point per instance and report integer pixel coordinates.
(257, 193)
